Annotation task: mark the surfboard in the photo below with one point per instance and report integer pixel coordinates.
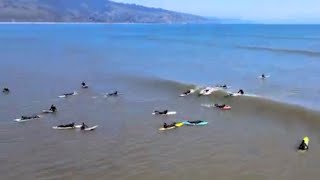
(90, 128)
(47, 111)
(86, 129)
(62, 128)
(207, 105)
(168, 113)
(195, 124)
(64, 96)
(25, 120)
(226, 107)
(164, 129)
(179, 124)
(85, 87)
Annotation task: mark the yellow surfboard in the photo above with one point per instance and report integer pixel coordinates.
(179, 124)
(306, 140)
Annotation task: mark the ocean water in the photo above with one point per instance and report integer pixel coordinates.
(150, 65)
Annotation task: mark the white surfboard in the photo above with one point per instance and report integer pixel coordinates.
(86, 129)
(168, 113)
(207, 105)
(62, 128)
(25, 120)
(47, 111)
(91, 128)
(164, 129)
(64, 96)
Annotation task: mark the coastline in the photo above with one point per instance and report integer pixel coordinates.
(64, 23)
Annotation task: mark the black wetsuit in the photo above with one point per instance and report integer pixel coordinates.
(68, 94)
(303, 146)
(67, 125)
(165, 125)
(220, 106)
(6, 90)
(195, 122)
(29, 117)
(223, 86)
(113, 94)
(159, 112)
(53, 108)
(187, 92)
(83, 126)
(241, 91)
(84, 85)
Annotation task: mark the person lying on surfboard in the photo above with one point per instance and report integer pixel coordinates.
(68, 94)
(67, 125)
(165, 125)
(161, 112)
(303, 146)
(5, 90)
(53, 108)
(83, 126)
(194, 122)
(187, 92)
(29, 117)
(219, 105)
(263, 76)
(113, 94)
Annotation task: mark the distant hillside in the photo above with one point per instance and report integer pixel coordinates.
(87, 11)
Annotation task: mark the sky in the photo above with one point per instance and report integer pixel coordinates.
(296, 11)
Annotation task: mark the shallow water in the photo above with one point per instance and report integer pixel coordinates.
(151, 65)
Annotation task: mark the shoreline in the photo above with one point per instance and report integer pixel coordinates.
(64, 23)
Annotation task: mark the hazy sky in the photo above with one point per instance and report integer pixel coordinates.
(258, 10)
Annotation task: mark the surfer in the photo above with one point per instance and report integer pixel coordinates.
(68, 94)
(223, 86)
(5, 90)
(195, 122)
(67, 125)
(165, 125)
(303, 145)
(29, 117)
(159, 112)
(113, 94)
(53, 108)
(220, 106)
(241, 91)
(83, 126)
(187, 92)
(83, 84)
